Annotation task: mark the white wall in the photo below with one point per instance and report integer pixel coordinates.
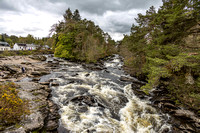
(3, 48)
(16, 47)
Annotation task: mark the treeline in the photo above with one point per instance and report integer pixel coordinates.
(164, 49)
(80, 39)
(29, 39)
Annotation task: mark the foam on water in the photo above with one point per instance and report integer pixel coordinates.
(115, 108)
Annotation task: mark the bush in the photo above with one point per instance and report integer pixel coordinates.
(12, 108)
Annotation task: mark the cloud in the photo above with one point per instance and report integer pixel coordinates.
(5, 6)
(101, 6)
(36, 16)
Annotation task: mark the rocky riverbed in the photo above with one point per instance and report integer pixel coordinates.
(67, 80)
(44, 114)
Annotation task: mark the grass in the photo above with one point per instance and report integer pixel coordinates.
(25, 52)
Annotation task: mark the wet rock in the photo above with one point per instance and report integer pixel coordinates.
(133, 80)
(137, 91)
(36, 73)
(82, 109)
(36, 79)
(51, 125)
(86, 75)
(93, 67)
(169, 106)
(93, 101)
(186, 115)
(183, 121)
(61, 129)
(89, 100)
(54, 84)
(44, 83)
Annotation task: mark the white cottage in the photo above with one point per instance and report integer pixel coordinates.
(19, 46)
(4, 46)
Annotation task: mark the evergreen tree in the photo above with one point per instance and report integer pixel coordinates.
(78, 39)
(157, 49)
(76, 16)
(68, 15)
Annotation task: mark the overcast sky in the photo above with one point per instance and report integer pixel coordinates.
(35, 17)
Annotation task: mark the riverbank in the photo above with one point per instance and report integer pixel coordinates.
(182, 119)
(43, 115)
(25, 52)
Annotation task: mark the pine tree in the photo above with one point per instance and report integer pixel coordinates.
(68, 15)
(76, 16)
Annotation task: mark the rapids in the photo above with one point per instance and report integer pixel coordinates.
(97, 101)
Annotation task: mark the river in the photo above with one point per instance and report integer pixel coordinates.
(98, 101)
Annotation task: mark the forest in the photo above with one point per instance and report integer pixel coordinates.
(164, 49)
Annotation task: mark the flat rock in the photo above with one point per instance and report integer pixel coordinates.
(44, 83)
(187, 115)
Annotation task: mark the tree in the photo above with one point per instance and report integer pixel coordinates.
(78, 39)
(68, 15)
(76, 16)
(157, 49)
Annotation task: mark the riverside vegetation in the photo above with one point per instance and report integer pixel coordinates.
(163, 48)
(78, 39)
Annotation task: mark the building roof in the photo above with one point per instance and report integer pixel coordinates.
(46, 46)
(21, 44)
(5, 44)
(30, 45)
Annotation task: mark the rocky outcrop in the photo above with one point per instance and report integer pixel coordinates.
(38, 57)
(182, 120)
(94, 67)
(131, 79)
(44, 114)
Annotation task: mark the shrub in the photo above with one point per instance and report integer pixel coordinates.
(12, 108)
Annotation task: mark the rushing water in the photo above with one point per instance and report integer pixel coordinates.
(97, 101)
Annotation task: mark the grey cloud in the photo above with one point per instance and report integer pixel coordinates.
(101, 6)
(5, 6)
(91, 6)
(119, 27)
(119, 21)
